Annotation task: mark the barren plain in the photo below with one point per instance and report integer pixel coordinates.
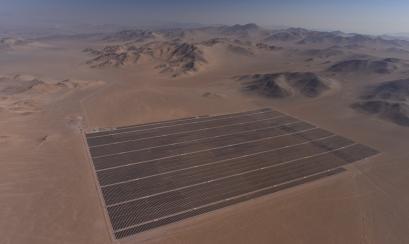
(54, 88)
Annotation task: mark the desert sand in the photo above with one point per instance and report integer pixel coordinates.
(51, 93)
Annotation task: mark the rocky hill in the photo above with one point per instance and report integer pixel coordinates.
(397, 113)
(11, 43)
(301, 36)
(324, 53)
(175, 57)
(388, 100)
(26, 94)
(130, 35)
(281, 85)
(240, 30)
(381, 66)
(397, 90)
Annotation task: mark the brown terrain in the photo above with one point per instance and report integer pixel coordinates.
(54, 88)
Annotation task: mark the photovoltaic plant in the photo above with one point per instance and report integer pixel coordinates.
(158, 173)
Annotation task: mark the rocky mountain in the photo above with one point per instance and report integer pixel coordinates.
(171, 34)
(181, 51)
(397, 113)
(130, 35)
(30, 85)
(14, 85)
(280, 85)
(188, 34)
(397, 50)
(241, 47)
(301, 36)
(26, 94)
(380, 66)
(10, 43)
(240, 30)
(296, 36)
(175, 57)
(232, 45)
(264, 46)
(287, 35)
(224, 40)
(388, 100)
(246, 51)
(323, 53)
(397, 91)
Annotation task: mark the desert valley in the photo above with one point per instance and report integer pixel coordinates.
(53, 88)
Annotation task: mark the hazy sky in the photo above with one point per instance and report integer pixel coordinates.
(366, 16)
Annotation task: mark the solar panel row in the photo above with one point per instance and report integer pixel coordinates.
(178, 124)
(141, 209)
(162, 172)
(192, 147)
(217, 205)
(130, 189)
(231, 129)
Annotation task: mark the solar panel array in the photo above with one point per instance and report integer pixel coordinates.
(158, 173)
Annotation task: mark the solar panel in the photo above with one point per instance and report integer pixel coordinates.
(159, 173)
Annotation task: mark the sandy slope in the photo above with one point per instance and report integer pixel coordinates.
(47, 190)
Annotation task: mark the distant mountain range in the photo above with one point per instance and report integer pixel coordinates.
(294, 35)
(181, 50)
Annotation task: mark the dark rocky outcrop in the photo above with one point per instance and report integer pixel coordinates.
(280, 85)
